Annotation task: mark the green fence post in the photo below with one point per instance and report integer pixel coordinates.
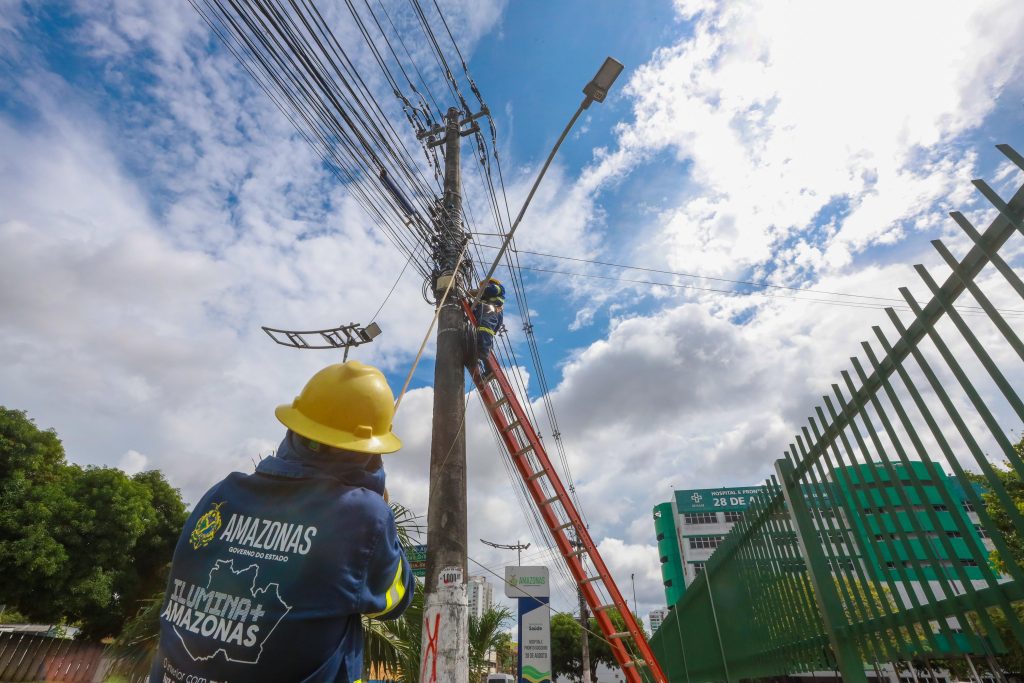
(718, 632)
(844, 649)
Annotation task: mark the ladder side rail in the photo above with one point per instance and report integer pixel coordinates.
(561, 539)
(582, 533)
(547, 512)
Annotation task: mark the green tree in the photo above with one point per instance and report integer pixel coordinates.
(567, 648)
(33, 477)
(1013, 536)
(505, 653)
(601, 650)
(1013, 660)
(484, 636)
(566, 653)
(393, 647)
(78, 544)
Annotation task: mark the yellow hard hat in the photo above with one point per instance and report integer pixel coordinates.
(347, 405)
(494, 279)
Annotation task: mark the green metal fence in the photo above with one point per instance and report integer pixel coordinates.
(874, 540)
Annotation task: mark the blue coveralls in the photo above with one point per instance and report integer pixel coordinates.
(489, 316)
(274, 568)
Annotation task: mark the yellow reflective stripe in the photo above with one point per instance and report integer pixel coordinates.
(358, 680)
(394, 595)
(485, 329)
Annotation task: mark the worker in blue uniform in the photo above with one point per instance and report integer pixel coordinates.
(489, 313)
(274, 569)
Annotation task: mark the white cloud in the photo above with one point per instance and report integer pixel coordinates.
(133, 462)
(784, 108)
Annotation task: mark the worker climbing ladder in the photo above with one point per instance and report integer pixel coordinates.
(563, 520)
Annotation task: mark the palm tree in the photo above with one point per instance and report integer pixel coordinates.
(486, 634)
(392, 648)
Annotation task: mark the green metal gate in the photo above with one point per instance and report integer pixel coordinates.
(887, 533)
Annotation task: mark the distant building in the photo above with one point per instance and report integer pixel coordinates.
(656, 616)
(695, 522)
(481, 595)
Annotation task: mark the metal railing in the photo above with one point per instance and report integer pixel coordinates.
(890, 532)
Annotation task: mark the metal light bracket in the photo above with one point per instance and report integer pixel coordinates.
(342, 337)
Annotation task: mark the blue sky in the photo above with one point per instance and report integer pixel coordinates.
(155, 209)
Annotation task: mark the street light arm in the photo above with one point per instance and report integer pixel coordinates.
(540, 176)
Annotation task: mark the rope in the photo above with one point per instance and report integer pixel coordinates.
(430, 329)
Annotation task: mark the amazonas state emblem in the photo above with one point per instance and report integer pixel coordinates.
(206, 528)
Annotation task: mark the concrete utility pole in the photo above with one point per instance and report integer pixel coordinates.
(445, 639)
(584, 636)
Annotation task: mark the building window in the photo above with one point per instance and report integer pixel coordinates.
(698, 542)
(954, 534)
(661, 537)
(698, 568)
(833, 537)
(700, 517)
(981, 530)
(968, 506)
(969, 562)
(939, 507)
(733, 516)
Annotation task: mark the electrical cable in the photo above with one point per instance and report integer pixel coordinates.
(391, 291)
(426, 337)
(847, 304)
(754, 283)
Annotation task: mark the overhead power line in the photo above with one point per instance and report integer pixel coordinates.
(867, 303)
(830, 302)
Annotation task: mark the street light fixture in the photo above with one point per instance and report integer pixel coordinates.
(341, 337)
(596, 90)
(602, 82)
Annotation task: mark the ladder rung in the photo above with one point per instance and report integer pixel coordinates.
(634, 663)
(601, 608)
(549, 501)
(577, 553)
(563, 526)
(512, 425)
(590, 578)
(538, 473)
(621, 634)
(500, 402)
(522, 451)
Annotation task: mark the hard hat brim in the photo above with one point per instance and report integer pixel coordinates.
(303, 426)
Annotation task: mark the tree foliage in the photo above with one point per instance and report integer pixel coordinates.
(79, 544)
(484, 636)
(1013, 660)
(567, 647)
(1014, 537)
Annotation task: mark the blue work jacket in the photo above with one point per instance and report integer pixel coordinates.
(273, 570)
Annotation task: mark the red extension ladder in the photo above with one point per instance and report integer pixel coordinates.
(556, 508)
